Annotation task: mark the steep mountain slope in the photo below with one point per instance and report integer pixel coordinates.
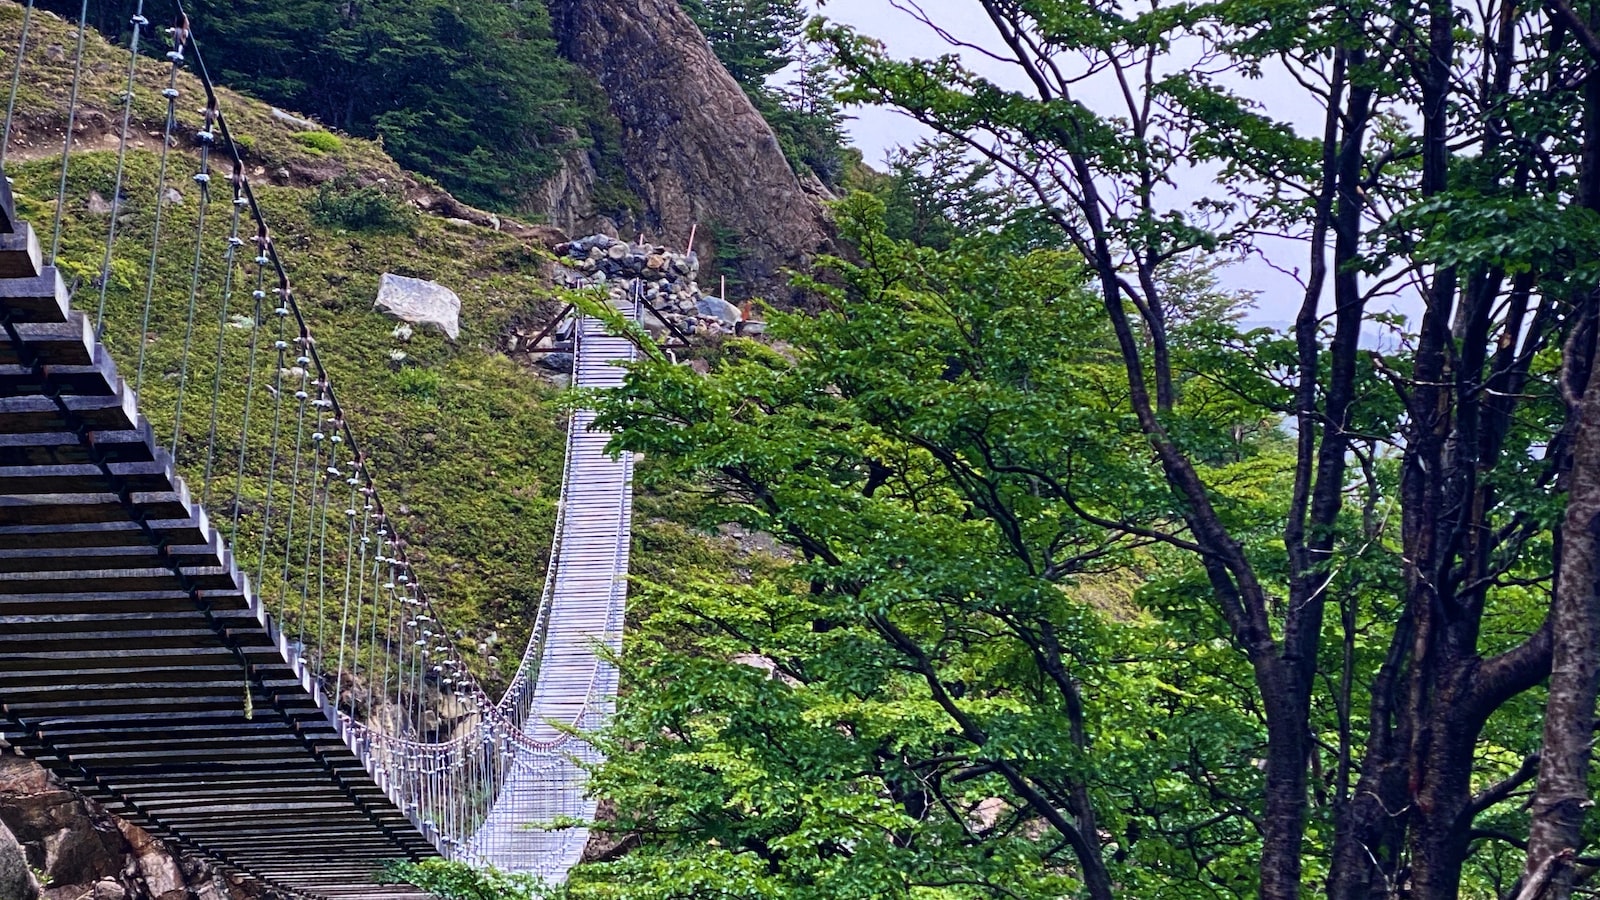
(465, 434)
(696, 151)
(465, 439)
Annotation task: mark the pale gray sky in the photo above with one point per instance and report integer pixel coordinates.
(875, 131)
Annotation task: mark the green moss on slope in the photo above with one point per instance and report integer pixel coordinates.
(466, 444)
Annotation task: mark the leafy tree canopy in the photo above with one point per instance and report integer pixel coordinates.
(950, 692)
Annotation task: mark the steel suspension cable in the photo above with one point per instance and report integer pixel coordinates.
(282, 346)
(374, 690)
(300, 396)
(203, 180)
(66, 141)
(322, 542)
(180, 33)
(138, 21)
(258, 296)
(16, 82)
(359, 570)
(232, 260)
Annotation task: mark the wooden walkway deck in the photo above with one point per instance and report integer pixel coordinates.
(128, 636)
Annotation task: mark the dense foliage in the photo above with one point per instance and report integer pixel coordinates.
(1353, 573)
(952, 692)
(458, 881)
(473, 94)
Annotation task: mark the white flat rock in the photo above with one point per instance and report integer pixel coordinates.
(420, 302)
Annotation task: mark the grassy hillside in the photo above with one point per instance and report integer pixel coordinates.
(466, 443)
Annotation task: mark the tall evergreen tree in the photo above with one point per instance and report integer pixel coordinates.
(755, 39)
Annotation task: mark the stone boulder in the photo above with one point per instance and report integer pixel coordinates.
(420, 302)
(88, 854)
(294, 121)
(719, 309)
(16, 881)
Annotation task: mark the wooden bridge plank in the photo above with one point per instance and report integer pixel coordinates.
(100, 534)
(98, 377)
(81, 478)
(204, 578)
(99, 558)
(20, 254)
(52, 343)
(36, 299)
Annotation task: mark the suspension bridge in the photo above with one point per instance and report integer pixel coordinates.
(246, 662)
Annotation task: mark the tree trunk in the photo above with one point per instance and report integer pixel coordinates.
(1285, 814)
(1562, 796)
(1438, 822)
(1368, 835)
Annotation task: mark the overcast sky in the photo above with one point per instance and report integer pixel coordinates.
(876, 131)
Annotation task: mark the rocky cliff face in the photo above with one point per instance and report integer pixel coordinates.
(82, 853)
(695, 149)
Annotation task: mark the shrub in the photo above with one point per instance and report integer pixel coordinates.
(346, 203)
(418, 384)
(459, 881)
(319, 142)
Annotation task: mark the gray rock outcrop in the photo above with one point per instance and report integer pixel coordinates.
(695, 149)
(16, 881)
(420, 302)
(566, 200)
(86, 854)
(666, 279)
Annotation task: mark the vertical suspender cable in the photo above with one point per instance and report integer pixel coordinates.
(138, 21)
(16, 81)
(66, 140)
(232, 257)
(203, 180)
(180, 32)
